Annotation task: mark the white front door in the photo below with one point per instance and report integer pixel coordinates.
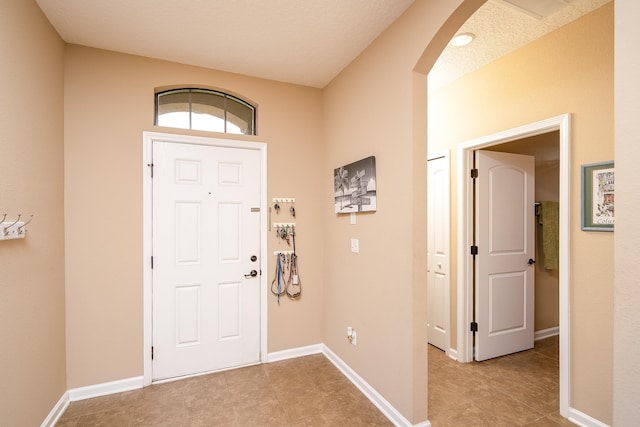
(505, 225)
(206, 241)
(438, 252)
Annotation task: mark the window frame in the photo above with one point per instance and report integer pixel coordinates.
(225, 95)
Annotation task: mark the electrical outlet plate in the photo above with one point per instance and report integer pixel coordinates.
(351, 335)
(355, 246)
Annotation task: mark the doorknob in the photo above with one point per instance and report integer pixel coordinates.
(253, 273)
(532, 261)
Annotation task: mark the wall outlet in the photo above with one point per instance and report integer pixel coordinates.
(355, 246)
(351, 335)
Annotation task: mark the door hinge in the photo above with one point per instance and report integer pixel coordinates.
(152, 262)
(474, 173)
(151, 352)
(474, 327)
(150, 167)
(474, 250)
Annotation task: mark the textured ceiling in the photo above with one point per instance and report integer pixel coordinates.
(302, 42)
(305, 42)
(501, 28)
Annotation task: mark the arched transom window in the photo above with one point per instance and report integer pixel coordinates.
(204, 109)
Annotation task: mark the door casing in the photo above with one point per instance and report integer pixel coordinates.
(465, 150)
(148, 139)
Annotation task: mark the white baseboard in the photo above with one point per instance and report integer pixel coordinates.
(369, 392)
(294, 352)
(57, 411)
(546, 333)
(583, 419)
(376, 398)
(453, 353)
(104, 389)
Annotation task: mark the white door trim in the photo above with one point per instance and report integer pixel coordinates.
(562, 124)
(147, 224)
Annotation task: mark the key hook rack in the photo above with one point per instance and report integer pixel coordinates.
(13, 229)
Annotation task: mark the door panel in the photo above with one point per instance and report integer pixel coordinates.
(229, 295)
(438, 252)
(505, 225)
(507, 298)
(188, 230)
(206, 313)
(229, 231)
(188, 315)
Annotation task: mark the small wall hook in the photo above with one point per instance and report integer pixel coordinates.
(10, 230)
(16, 221)
(21, 228)
(6, 227)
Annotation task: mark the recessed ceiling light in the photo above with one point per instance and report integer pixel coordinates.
(462, 39)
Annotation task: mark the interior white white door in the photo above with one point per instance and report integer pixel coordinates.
(206, 241)
(505, 225)
(438, 252)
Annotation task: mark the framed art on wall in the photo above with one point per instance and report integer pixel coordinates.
(355, 186)
(598, 185)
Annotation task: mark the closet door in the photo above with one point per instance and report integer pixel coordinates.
(438, 255)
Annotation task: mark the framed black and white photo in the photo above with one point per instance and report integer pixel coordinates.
(598, 185)
(355, 186)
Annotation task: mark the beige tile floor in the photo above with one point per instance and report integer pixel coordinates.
(521, 389)
(515, 390)
(308, 391)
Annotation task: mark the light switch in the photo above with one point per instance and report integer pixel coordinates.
(355, 246)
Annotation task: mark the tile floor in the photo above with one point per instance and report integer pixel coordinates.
(521, 389)
(515, 390)
(308, 391)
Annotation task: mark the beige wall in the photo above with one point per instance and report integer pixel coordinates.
(32, 350)
(626, 390)
(109, 102)
(568, 71)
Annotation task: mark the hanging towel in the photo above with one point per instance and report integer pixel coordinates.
(549, 219)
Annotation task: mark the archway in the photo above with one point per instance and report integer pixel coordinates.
(428, 59)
